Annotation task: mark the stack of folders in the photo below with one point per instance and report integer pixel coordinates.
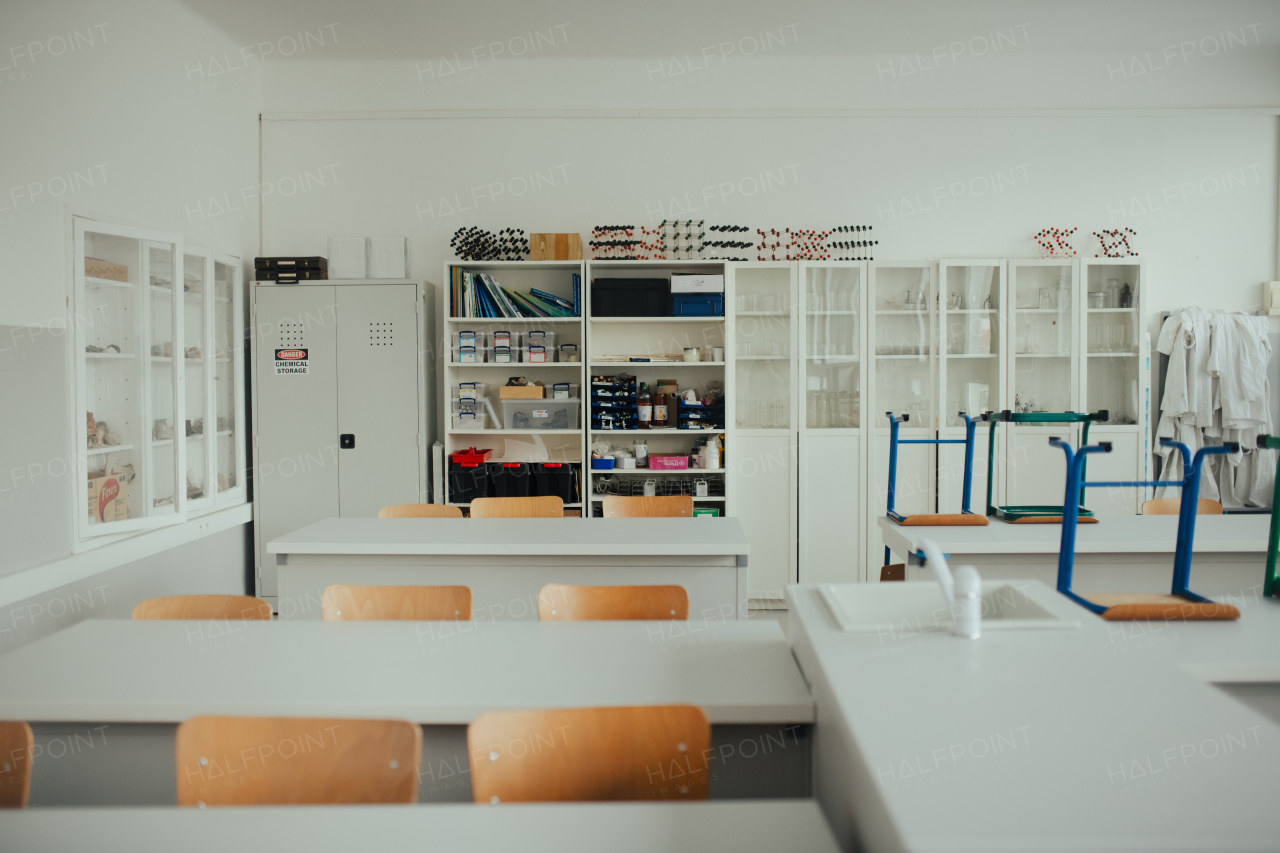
(477, 294)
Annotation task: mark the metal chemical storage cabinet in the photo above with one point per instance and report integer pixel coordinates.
(340, 393)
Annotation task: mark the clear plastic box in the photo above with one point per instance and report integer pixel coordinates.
(541, 414)
(537, 354)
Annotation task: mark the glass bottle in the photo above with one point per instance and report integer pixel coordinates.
(660, 410)
(645, 404)
(642, 452)
(1126, 297)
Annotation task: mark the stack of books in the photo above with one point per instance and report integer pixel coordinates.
(477, 294)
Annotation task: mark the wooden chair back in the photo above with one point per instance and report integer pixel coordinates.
(546, 506)
(203, 607)
(559, 602)
(420, 511)
(590, 754)
(16, 743)
(1172, 506)
(661, 506)
(277, 761)
(349, 603)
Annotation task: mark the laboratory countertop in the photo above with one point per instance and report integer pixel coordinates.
(706, 536)
(763, 825)
(442, 673)
(1106, 736)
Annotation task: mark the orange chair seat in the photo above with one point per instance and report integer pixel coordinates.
(1168, 608)
(943, 519)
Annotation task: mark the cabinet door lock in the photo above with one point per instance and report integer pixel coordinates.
(347, 440)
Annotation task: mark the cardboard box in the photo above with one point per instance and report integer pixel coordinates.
(521, 392)
(696, 283)
(555, 247)
(96, 268)
(108, 498)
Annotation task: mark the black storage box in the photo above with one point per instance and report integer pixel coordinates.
(283, 263)
(630, 297)
(291, 275)
(468, 482)
(510, 479)
(555, 478)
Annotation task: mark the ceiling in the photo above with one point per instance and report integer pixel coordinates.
(409, 29)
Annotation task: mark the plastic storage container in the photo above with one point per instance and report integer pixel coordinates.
(555, 478)
(562, 390)
(469, 391)
(510, 479)
(541, 414)
(542, 338)
(697, 305)
(468, 482)
(504, 338)
(504, 355)
(537, 354)
(630, 297)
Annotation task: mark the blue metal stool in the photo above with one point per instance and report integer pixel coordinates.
(1181, 603)
(966, 516)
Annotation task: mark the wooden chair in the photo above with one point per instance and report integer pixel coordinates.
(590, 754)
(277, 761)
(662, 506)
(547, 506)
(420, 511)
(559, 602)
(16, 744)
(348, 603)
(203, 607)
(1172, 506)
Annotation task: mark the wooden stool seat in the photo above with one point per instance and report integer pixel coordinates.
(16, 743)
(559, 602)
(281, 761)
(590, 754)
(1050, 519)
(420, 511)
(1163, 608)
(638, 506)
(546, 506)
(350, 603)
(203, 607)
(942, 519)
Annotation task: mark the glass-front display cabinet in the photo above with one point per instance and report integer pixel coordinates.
(762, 481)
(971, 341)
(227, 370)
(1043, 374)
(1115, 377)
(832, 433)
(903, 339)
(129, 328)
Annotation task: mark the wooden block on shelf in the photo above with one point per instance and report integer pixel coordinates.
(555, 247)
(97, 268)
(521, 392)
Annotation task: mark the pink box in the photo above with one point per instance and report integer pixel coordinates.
(668, 463)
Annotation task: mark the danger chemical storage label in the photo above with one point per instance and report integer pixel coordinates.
(291, 362)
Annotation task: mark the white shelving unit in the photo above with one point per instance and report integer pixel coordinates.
(566, 446)
(644, 337)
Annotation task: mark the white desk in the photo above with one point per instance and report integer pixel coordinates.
(1131, 553)
(765, 826)
(140, 679)
(1105, 737)
(506, 561)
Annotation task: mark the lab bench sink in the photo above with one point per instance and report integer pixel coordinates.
(920, 606)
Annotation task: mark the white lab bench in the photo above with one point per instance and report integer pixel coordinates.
(105, 696)
(1129, 553)
(505, 561)
(764, 826)
(1110, 736)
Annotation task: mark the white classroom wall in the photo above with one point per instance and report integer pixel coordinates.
(955, 128)
(104, 109)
